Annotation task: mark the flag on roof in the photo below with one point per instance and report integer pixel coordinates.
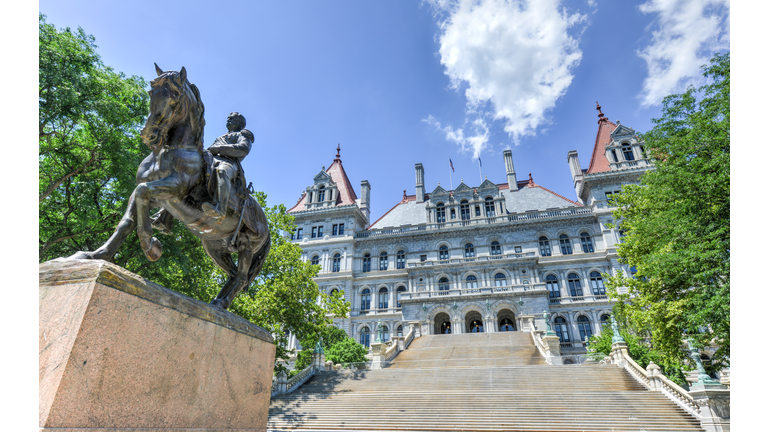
(451, 162)
(481, 162)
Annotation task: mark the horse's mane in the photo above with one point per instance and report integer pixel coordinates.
(192, 102)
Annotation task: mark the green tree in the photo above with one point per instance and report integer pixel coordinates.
(346, 351)
(89, 122)
(331, 336)
(677, 224)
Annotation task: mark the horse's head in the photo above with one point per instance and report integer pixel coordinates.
(172, 100)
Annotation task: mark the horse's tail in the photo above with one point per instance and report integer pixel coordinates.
(259, 258)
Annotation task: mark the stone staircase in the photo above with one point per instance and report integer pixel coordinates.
(490, 381)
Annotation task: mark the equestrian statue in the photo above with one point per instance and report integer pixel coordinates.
(203, 189)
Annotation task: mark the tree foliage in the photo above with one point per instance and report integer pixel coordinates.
(89, 122)
(677, 224)
(331, 336)
(89, 152)
(346, 351)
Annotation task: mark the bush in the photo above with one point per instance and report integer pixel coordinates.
(346, 351)
(331, 336)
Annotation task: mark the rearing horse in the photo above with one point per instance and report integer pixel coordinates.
(173, 177)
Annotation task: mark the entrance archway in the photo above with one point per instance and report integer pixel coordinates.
(506, 319)
(474, 322)
(442, 324)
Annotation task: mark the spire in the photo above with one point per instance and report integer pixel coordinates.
(530, 180)
(602, 117)
(338, 153)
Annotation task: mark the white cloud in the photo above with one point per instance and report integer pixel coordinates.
(475, 142)
(686, 34)
(515, 57)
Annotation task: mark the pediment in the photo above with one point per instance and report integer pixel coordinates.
(438, 191)
(487, 184)
(323, 177)
(463, 188)
(622, 130)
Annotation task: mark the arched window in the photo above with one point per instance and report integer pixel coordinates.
(565, 245)
(316, 260)
(490, 209)
(605, 319)
(365, 299)
(365, 337)
(544, 246)
(440, 213)
(501, 279)
(400, 331)
(585, 327)
(321, 194)
(383, 261)
(586, 242)
(464, 209)
(469, 250)
(495, 248)
(400, 290)
(627, 150)
(334, 292)
(561, 328)
(443, 254)
(574, 285)
(553, 287)
(383, 298)
(366, 263)
(336, 262)
(442, 286)
(471, 282)
(597, 283)
(400, 259)
(385, 333)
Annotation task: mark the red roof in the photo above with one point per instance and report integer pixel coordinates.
(346, 193)
(600, 163)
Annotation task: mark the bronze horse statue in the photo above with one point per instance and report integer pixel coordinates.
(174, 177)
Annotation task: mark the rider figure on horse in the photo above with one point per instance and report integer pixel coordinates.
(228, 151)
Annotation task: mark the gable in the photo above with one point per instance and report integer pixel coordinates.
(463, 188)
(487, 184)
(622, 130)
(438, 192)
(323, 177)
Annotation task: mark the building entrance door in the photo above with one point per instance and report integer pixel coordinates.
(442, 323)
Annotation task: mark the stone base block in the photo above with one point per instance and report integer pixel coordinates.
(118, 352)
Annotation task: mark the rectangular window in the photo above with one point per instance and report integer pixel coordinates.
(314, 232)
(341, 229)
(477, 211)
(615, 158)
(319, 231)
(299, 233)
(453, 213)
(335, 229)
(518, 249)
(423, 258)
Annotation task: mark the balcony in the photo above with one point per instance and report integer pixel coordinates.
(511, 256)
(508, 289)
(577, 299)
(478, 222)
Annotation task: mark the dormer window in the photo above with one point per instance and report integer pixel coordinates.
(615, 158)
(490, 210)
(464, 210)
(440, 212)
(321, 194)
(627, 150)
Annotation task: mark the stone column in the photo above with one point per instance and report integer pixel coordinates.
(282, 383)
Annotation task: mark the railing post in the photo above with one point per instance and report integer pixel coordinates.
(282, 383)
(318, 356)
(713, 398)
(653, 376)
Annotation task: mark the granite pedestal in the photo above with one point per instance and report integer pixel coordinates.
(118, 352)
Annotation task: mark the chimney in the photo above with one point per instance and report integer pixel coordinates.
(576, 173)
(419, 183)
(365, 199)
(511, 177)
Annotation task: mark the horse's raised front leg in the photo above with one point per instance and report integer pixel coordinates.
(166, 189)
(125, 227)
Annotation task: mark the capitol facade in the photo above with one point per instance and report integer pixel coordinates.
(484, 258)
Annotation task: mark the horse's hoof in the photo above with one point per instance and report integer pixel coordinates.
(219, 304)
(155, 250)
(81, 255)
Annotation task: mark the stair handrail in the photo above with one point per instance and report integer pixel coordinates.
(658, 382)
(408, 338)
(543, 349)
(391, 352)
(300, 378)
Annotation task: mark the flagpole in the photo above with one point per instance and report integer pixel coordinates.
(481, 170)
(450, 174)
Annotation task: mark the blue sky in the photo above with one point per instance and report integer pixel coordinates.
(400, 83)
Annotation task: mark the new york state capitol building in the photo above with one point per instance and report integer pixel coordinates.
(482, 258)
